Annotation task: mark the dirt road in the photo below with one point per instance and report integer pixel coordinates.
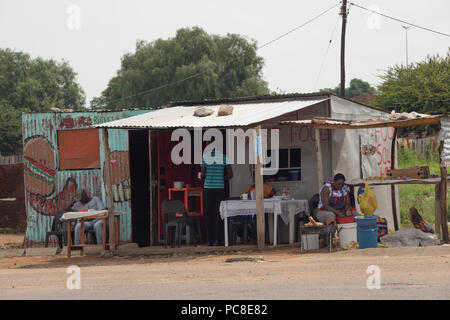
(406, 273)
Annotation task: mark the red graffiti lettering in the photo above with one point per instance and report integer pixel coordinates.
(67, 123)
(300, 134)
(312, 134)
(71, 123)
(292, 134)
(379, 153)
(382, 136)
(391, 134)
(377, 131)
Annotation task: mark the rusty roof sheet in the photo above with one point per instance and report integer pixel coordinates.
(328, 123)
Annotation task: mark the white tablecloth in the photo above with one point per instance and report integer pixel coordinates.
(90, 213)
(283, 208)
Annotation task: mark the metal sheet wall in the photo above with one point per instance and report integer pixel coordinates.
(48, 189)
(445, 136)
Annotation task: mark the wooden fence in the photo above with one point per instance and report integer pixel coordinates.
(11, 159)
(420, 145)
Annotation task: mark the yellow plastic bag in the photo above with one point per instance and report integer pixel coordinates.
(367, 201)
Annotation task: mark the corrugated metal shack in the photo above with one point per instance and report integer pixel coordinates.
(297, 143)
(61, 155)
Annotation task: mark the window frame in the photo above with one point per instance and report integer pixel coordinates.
(289, 164)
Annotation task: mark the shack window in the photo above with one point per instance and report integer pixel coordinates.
(289, 165)
(78, 149)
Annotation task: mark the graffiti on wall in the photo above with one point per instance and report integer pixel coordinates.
(383, 141)
(305, 133)
(40, 168)
(120, 176)
(70, 122)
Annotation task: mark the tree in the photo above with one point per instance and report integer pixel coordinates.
(32, 85)
(356, 88)
(215, 67)
(423, 87)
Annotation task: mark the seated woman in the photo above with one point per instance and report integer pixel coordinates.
(334, 201)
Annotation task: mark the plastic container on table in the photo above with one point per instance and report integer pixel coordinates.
(367, 238)
(347, 233)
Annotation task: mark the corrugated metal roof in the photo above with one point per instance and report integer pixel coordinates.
(183, 116)
(445, 136)
(328, 123)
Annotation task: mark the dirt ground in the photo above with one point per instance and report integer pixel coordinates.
(285, 273)
(11, 241)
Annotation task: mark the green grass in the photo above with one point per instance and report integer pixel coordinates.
(416, 195)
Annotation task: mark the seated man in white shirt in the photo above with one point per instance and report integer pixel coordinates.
(85, 203)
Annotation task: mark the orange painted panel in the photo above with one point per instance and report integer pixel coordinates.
(79, 149)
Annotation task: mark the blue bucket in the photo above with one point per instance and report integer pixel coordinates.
(366, 222)
(367, 238)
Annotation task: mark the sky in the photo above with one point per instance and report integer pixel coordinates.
(93, 35)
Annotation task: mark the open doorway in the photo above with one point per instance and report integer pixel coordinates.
(140, 186)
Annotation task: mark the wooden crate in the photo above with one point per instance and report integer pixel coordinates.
(413, 172)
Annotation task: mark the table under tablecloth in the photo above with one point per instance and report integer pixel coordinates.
(283, 208)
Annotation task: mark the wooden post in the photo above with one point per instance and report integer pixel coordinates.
(443, 200)
(319, 158)
(344, 23)
(437, 210)
(82, 237)
(443, 189)
(151, 184)
(69, 237)
(259, 190)
(393, 195)
(107, 168)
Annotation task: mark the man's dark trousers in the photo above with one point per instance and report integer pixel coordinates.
(212, 198)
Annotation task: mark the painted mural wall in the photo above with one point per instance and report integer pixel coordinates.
(49, 189)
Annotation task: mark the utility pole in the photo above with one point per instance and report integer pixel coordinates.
(344, 23)
(406, 33)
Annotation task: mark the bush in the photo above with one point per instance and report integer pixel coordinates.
(418, 195)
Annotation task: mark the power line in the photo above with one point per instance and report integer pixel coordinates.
(158, 88)
(300, 26)
(399, 20)
(326, 52)
(203, 72)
